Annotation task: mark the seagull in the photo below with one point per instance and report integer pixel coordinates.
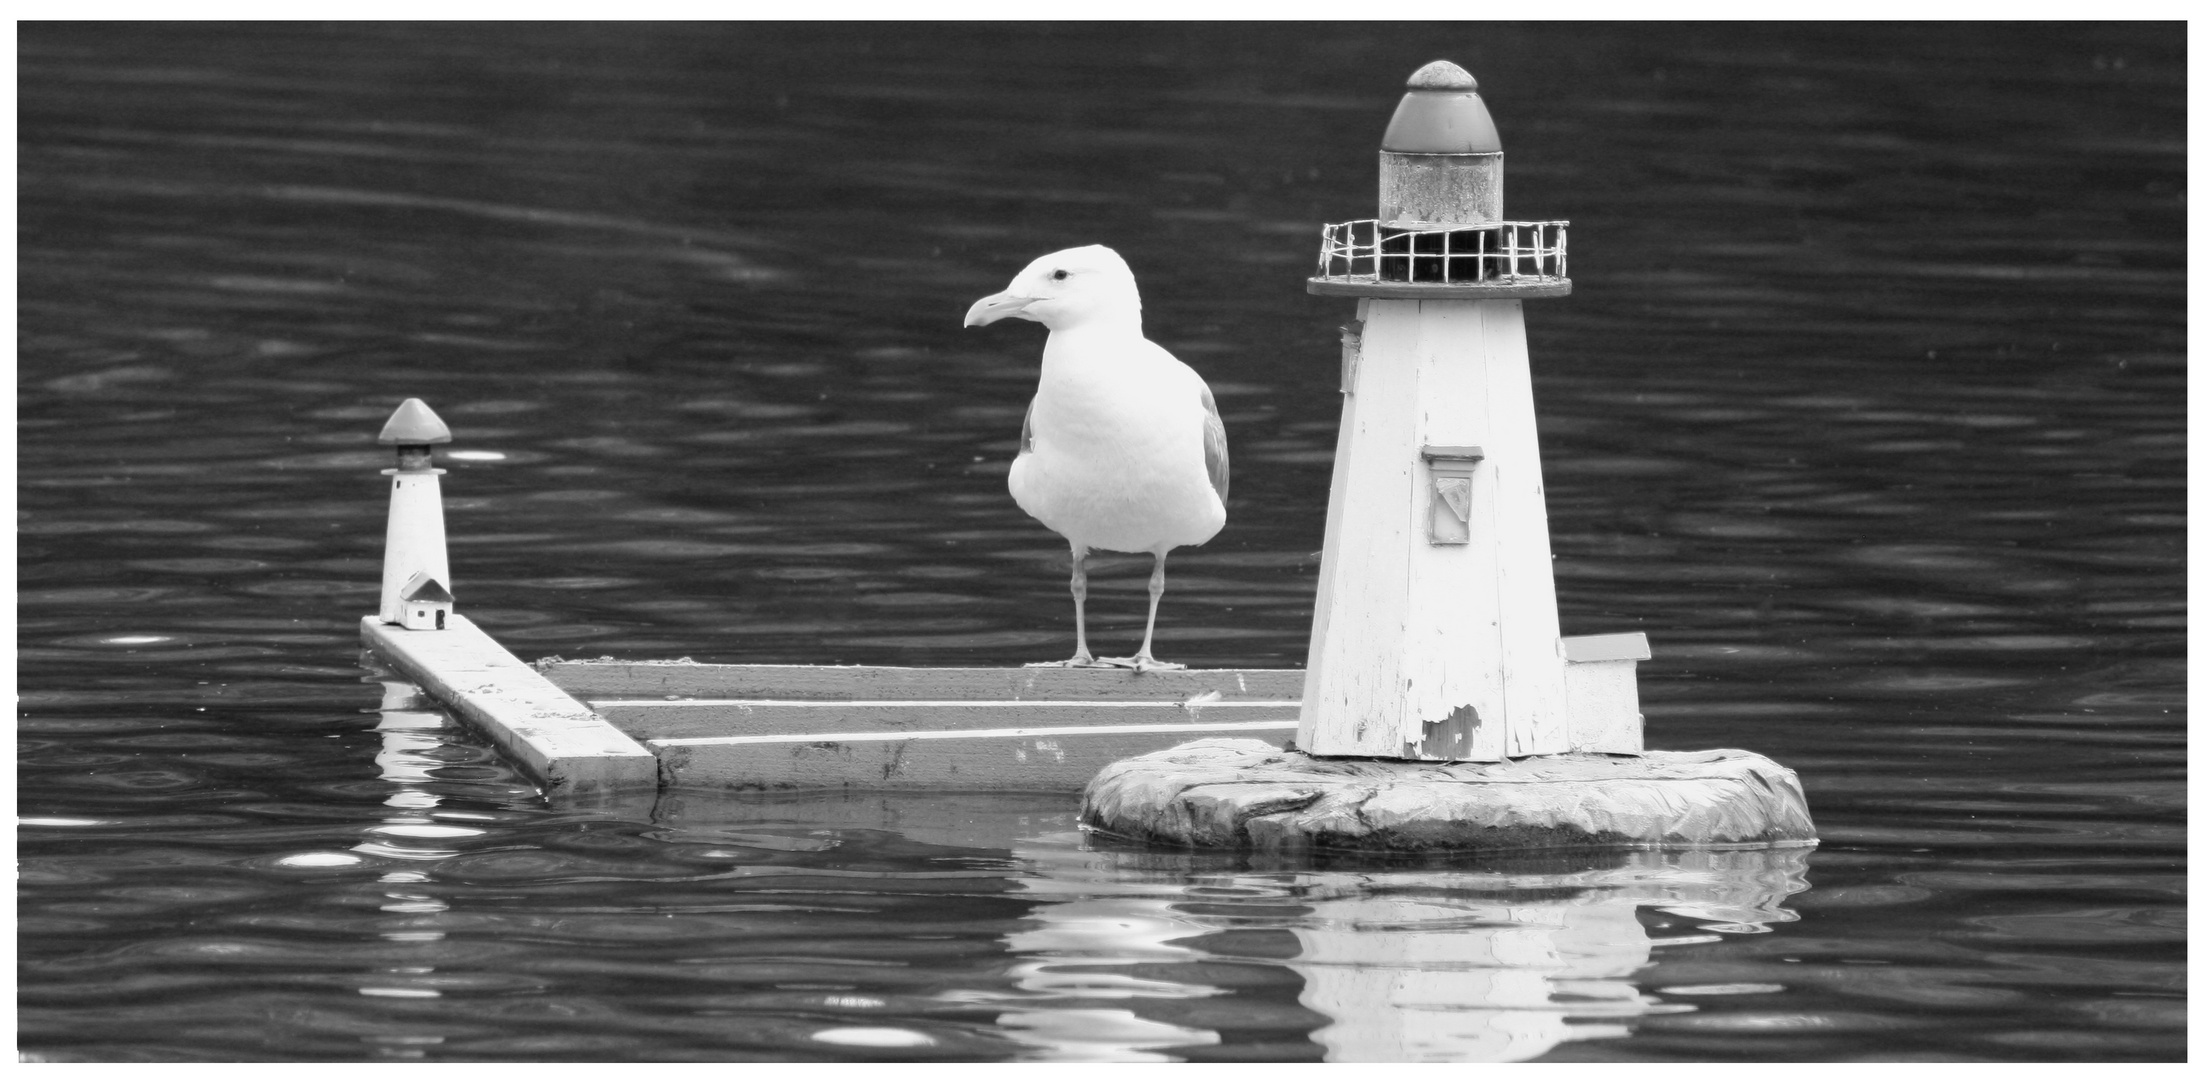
(1123, 449)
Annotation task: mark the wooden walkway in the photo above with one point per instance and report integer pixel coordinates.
(594, 726)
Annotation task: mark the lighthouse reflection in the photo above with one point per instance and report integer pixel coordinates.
(1489, 962)
(411, 732)
(1086, 963)
(1123, 953)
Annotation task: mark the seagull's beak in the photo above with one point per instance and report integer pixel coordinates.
(994, 308)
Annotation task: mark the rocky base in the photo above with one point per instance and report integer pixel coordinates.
(1247, 794)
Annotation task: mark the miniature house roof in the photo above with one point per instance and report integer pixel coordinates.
(423, 589)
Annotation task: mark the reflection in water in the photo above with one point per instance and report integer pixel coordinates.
(1090, 1034)
(1094, 941)
(1484, 964)
(411, 731)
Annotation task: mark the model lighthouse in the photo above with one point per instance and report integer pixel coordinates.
(1436, 631)
(416, 571)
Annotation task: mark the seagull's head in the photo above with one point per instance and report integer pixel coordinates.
(1077, 287)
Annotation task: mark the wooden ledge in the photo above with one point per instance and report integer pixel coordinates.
(557, 741)
(610, 679)
(794, 727)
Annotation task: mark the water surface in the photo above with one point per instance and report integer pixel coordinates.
(1868, 409)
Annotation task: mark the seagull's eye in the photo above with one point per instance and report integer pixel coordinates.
(1062, 275)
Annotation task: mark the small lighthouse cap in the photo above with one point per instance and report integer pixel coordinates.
(1441, 114)
(414, 424)
(1441, 75)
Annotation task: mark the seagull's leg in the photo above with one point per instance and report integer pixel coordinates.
(1077, 596)
(1083, 657)
(1145, 660)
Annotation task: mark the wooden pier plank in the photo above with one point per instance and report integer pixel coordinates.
(679, 719)
(981, 761)
(617, 679)
(556, 740)
(962, 820)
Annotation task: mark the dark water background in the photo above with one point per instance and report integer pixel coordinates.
(1869, 408)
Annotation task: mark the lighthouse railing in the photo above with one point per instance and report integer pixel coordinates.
(1497, 252)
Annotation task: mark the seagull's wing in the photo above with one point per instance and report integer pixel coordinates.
(1213, 442)
(1026, 448)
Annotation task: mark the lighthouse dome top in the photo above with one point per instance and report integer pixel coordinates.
(1441, 75)
(1441, 114)
(415, 424)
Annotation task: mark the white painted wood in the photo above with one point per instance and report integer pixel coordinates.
(1328, 576)
(979, 706)
(1407, 632)
(662, 679)
(1038, 732)
(554, 739)
(1584, 648)
(992, 762)
(1602, 710)
(670, 719)
(1451, 650)
(1603, 713)
(807, 820)
(414, 542)
(1536, 702)
(1354, 679)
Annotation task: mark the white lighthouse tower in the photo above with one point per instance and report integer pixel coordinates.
(1436, 630)
(416, 569)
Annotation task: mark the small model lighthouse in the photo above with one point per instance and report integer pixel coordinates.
(1436, 631)
(416, 571)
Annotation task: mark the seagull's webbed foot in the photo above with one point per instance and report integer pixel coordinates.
(1141, 663)
(1082, 659)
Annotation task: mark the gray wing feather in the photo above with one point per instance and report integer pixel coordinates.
(1027, 447)
(1217, 447)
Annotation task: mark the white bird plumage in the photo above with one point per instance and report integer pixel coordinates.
(1123, 449)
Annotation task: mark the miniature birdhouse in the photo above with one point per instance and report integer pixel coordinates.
(1436, 630)
(413, 554)
(427, 603)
